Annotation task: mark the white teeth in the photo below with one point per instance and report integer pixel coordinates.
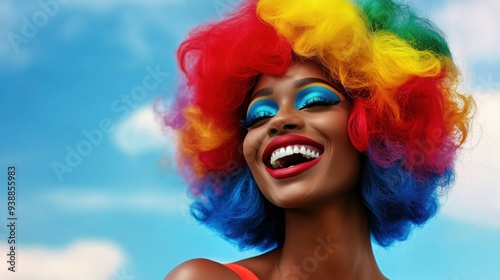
(279, 153)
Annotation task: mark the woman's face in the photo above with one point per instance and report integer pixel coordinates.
(297, 145)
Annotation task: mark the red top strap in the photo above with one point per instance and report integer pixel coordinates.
(242, 272)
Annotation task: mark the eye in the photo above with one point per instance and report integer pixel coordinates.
(258, 110)
(317, 94)
(251, 121)
(318, 101)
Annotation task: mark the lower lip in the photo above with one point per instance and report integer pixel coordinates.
(293, 171)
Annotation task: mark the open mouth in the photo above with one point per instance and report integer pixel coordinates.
(291, 150)
(292, 155)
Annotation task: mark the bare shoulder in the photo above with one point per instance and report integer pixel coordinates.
(201, 269)
(263, 266)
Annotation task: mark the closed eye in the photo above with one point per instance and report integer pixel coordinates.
(252, 120)
(319, 101)
(260, 109)
(316, 94)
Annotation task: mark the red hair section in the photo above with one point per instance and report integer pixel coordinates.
(425, 135)
(220, 62)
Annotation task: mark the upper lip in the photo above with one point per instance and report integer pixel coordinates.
(287, 140)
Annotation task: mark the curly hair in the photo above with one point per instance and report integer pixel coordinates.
(407, 119)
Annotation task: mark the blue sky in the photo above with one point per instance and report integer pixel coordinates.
(98, 196)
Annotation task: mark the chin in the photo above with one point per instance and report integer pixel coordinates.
(306, 190)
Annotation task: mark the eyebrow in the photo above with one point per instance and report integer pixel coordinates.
(262, 92)
(305, 81)
(297, 84)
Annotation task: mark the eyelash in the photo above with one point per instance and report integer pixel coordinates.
(255, 118)
(319, 101)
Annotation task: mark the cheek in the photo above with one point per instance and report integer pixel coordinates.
(350, 165)
(346, 160)
(333, 126)
(251, 145)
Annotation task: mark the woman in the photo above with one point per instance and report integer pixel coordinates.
(351, 122)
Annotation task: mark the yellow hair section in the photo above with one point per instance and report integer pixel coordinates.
(394, 60)
(201, 135)
(314, 28)
(335, 33)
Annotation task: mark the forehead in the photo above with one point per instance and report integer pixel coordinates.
(297, 70)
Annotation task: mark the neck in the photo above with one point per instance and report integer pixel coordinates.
(328, 242)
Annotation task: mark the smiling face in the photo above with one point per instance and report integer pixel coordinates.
(297, 145)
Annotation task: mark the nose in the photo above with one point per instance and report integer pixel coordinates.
(284, 122)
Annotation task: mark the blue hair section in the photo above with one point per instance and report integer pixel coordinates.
(239, 212)
(397, 201)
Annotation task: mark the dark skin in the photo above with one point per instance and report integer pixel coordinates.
(326, 225)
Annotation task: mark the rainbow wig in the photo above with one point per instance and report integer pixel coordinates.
(407, 118)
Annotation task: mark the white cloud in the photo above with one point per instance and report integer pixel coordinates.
(83, 260)
(88, 201)
(476, 194)
(471, 27)
(142, 132)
